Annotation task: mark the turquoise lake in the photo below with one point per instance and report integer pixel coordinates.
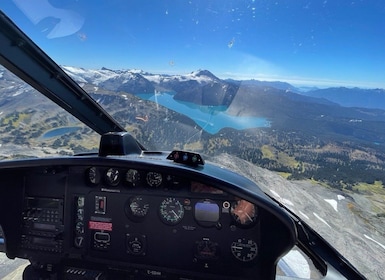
(210, 118)
(59, 131)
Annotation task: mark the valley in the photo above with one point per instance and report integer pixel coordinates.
(308, 138)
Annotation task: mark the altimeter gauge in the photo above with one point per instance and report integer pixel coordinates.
(136, 208)
(171, 211)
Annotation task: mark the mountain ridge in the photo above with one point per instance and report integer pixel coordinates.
(197, 87)
(307, 136)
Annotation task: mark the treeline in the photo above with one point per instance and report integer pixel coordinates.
(336, 167)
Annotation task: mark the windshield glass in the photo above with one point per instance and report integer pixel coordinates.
(290, 94)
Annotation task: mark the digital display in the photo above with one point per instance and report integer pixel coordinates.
(43, 241)
(206, 212)
(44, 226)
(43, 203)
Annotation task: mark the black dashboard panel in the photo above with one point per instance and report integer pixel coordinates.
(138, 218)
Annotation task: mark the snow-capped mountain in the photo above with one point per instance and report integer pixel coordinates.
(201, 87)
(104, 75)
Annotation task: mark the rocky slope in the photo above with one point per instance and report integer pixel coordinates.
(344, 220)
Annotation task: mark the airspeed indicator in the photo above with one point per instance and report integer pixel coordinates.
(171, 211)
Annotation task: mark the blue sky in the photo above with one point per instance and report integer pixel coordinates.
(322, 43)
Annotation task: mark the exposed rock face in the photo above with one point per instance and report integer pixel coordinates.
(345, 221)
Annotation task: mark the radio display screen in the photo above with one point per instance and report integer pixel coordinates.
(51, 203)
(43, 241)
(44, 226)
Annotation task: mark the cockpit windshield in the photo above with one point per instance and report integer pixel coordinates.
(290, 94)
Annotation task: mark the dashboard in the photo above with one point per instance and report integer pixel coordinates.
(139, 217)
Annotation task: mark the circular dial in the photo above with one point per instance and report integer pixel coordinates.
(244, 212)
(79, 227)
(136, 244)
(244, 250)
(154, 179)
(112, 176)
(93, 175)
(137, 208)
(133, 176)
(206, 249)
(171, 211)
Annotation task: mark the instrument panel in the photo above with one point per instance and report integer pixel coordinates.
(143, 221)
(164, 219)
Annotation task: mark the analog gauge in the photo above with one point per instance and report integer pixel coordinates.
(206, 249)
(244, 250)
(244, 213)
(93, 175)
(133, 176)
(80, 214)
(79, 228)
(154, 179)
(112, 176)
(171, 211)
(137, 208)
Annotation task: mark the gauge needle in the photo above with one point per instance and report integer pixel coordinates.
(249, 217)
(175, 213)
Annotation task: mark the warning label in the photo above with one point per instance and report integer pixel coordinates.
(100, 226)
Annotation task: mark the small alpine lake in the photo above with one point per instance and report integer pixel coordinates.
(59, 131)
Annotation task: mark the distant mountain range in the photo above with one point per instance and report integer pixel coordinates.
(310, 134)
(352, 97)
(204, 88)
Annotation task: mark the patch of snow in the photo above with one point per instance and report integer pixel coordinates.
(282, 200)
(18, 92)
(303, 214)
(137, 71)
(96, 88)
(286, 202)
(275, 194)
(333, 203)
(340, 197)
(322, 220)
(371, 239)
(154, 78)
(199, 79)
(297, 264)
(87, 75)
